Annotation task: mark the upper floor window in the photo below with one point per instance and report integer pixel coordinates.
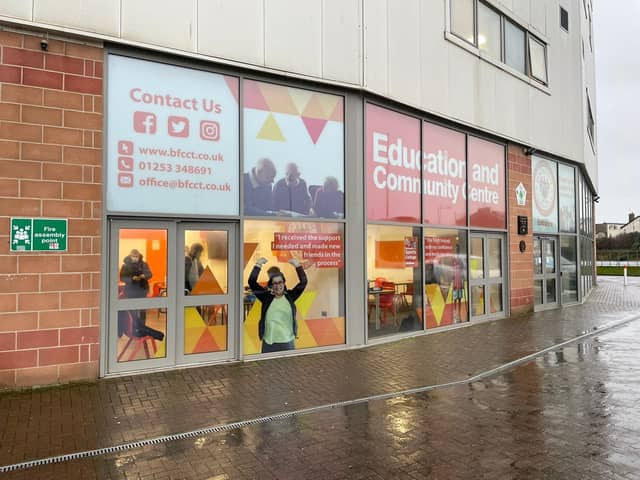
(514, 46)
(564, 19)
(489, 32)
(537, 59)
(591, 124)
(499, 37)
(463, 19)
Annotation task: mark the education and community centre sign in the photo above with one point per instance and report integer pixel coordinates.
(39, 234)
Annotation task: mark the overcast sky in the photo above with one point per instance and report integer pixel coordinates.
(616, 27)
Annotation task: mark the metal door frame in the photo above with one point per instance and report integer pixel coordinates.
(486, 280)
(114, 303)
(174, 302)
(545, 276)
(229, 299)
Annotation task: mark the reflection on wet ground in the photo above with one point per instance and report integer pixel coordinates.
(568, 414)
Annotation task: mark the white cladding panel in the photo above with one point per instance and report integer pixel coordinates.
(293, 36)
(395, 48)
(166, 23)
(99, 16)
(342, 40)
(376, 54)
(233, 30)
(434, 86)
(21, 9)
(404, 49)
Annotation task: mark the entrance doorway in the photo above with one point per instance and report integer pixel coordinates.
(545, 272)
(486, 274)
(172, 294)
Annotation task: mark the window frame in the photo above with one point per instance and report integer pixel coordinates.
(533, 38)
(474, 14)
(500, 33)
(525, 46)
(591, 122)
(566, 13)
(504, 18)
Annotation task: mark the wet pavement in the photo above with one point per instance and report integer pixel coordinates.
(569, 413)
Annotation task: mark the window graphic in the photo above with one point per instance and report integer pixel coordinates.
(294, 152)
(165, 153)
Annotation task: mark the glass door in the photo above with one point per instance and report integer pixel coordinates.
(206, 303)
(486, 274)
(545, 272)
(140, 332)
(171, 294)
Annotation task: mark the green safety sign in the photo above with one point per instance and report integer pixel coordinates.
(38, 234)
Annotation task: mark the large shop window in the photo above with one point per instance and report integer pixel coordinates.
(394, 279)
(172, 139)
(446, 285)
(487, 203)
(319, 306)
(293, 152)
(445, 176)
(567, 198)
(545, 195)
(393, 166)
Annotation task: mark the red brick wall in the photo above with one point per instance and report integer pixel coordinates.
(50, 166)
(521, 267)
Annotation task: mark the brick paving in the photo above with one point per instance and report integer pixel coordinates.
(447, 430)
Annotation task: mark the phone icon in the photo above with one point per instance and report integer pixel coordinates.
(125, 163)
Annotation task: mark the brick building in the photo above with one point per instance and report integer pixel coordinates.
(438, 173)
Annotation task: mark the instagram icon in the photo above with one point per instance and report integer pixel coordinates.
(209, 130)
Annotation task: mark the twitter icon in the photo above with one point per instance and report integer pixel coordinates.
(178, 126)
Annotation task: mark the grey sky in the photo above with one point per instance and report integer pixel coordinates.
(616, 27)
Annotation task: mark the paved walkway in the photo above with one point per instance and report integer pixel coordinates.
(42, 423)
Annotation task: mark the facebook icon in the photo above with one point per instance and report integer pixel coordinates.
(144, 122)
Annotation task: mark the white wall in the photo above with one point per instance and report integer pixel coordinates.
(396, 48)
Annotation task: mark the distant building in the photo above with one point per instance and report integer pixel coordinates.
(633, 225)
(608, 230)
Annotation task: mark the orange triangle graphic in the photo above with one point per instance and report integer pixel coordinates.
(314, 108)
(249, 250)
(207, 284)
(278, 99)
(206, 343)
(338, 113)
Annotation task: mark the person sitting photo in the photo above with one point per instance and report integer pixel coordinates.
(329, 200)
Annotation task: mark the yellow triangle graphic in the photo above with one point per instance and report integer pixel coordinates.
(304, 302)
(251, 342)
(300, 98)
(329, 103)
(434, 294)
(305, 339)
(193, 328)
(270, 130)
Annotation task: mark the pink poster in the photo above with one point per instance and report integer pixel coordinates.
(393, 166)
(445, 200)
(487, 207)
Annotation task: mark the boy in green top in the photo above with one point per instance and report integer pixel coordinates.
(278, 327)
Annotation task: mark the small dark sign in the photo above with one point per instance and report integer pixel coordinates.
(523, 225)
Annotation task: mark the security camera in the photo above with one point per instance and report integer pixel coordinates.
(44, 43)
